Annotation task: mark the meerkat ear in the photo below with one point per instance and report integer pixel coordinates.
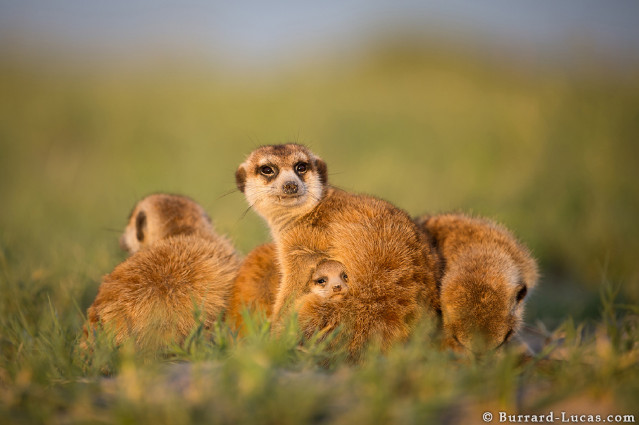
(321, 170)
(521, 292)
(240, 178)
(140, 225)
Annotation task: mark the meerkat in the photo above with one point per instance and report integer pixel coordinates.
(392, 270)
(179, 266)
(258, 279)
(255, 286)
(329, 279)
(486, 278)
(161, 215)
(319, 310)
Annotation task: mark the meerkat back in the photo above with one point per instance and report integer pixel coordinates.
(153, 296)
(179, 264)
(487, 276)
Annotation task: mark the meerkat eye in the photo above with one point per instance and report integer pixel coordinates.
(266, 170)
(320, 281)
(522, 293)
(345, 277)
(301, 167)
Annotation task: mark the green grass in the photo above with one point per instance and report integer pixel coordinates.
(553, 155)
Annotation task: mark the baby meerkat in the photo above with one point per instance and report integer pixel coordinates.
(392, 270)
(486, 278)
(152, 296)
(161, 215)
(329, 279)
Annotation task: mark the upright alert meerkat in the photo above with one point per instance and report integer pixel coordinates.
(392, 271)
(152, 297)
(486, 278)
(161, 215)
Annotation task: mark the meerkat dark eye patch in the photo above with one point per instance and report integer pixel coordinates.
(345, 277)
(301, 167)
(521, 293)
(267, 170)
(508, 335)
(240, 179)
(322, 170)
(140, 225)
(321, 281)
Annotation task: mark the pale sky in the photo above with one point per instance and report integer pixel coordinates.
(263, 31)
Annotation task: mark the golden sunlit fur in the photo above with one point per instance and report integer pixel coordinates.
(392, 272)
(184, 268)
(152, 297)
(486, 278)
(161, 215)
(256, 285)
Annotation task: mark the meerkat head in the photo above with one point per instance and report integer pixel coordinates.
(329, 279)
(282, 181)
(482, 302)
(162, 215)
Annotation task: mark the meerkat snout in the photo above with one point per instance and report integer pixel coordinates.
(290, 188)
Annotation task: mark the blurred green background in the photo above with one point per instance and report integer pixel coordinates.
(548, 149)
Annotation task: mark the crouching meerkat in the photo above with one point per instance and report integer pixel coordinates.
(181, 267)
(392, 271)
(487, 276)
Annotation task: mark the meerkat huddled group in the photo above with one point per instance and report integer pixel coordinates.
(338, 260)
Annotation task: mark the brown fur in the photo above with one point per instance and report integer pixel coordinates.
(391, 268)
(255, 286)
(161, 215)
(486, 278)
(152, 295)
(178, 264)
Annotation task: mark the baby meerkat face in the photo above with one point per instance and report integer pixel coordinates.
(282, 180)
(329, 279)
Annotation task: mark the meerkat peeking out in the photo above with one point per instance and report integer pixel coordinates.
(392, 270)
(161, 215)
(329, 279)
(153, 296)
(485, 282)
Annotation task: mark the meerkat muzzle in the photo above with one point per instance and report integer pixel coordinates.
(290, 188)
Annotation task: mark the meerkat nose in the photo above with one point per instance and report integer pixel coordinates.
(289, 188)
(337, 288)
